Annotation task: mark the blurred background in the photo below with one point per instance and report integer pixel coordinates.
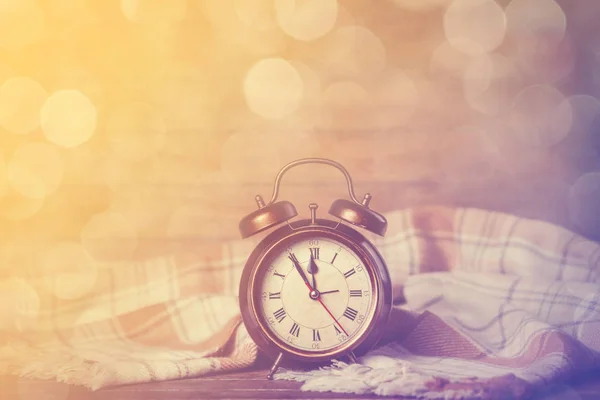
(134, 128)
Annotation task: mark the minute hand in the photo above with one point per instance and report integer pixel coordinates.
(329, 291)
(292, 257)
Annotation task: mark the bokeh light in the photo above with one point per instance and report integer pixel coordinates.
(154, 12)
(490, 83)
(538, 31)
(586, 111)
(72, 75)
(420, 5)
(109, 236)
(68, 118)
(540, 116)
(534, 19)
(69, 271)
(21, 100)
(583, 204)
(35, 170)
(244, 27)
(347, 106)
(136, 131)
(306, 19)
(22, 23)
(446, 61)
(354, 51)
(311, 89)
(396, 99)
(16, 207)
(256, 14)
(273, 88)
(475, 27)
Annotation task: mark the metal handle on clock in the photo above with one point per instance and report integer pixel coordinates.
(352, 211)
(326, 161)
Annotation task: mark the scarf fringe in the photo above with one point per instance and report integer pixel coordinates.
(398, 380)
(25, 361)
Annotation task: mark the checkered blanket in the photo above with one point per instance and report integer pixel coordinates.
(485, 302)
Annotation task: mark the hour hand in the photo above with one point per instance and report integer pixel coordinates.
(312, 269)
(298, 267)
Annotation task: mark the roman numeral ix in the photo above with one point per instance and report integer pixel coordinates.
(277, 295)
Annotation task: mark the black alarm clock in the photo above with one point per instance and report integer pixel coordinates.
(316, 289)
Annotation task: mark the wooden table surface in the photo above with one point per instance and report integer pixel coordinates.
(250, 384)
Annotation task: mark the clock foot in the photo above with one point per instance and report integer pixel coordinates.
(352, 358)
(275, 366)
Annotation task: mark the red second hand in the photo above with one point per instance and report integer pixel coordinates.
(336, 321)
(327, 309)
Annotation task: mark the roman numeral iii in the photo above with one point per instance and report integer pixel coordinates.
(356, 293)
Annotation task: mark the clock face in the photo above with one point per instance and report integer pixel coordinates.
(314, 294)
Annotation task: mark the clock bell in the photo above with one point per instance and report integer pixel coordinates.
(275, 212)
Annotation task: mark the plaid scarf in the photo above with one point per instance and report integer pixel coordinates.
(485, 302)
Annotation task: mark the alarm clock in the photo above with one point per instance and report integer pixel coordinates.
(316, 289)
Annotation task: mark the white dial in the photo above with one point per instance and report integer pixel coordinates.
(318, 305)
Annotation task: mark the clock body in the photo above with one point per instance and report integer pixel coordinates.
(315, 291)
